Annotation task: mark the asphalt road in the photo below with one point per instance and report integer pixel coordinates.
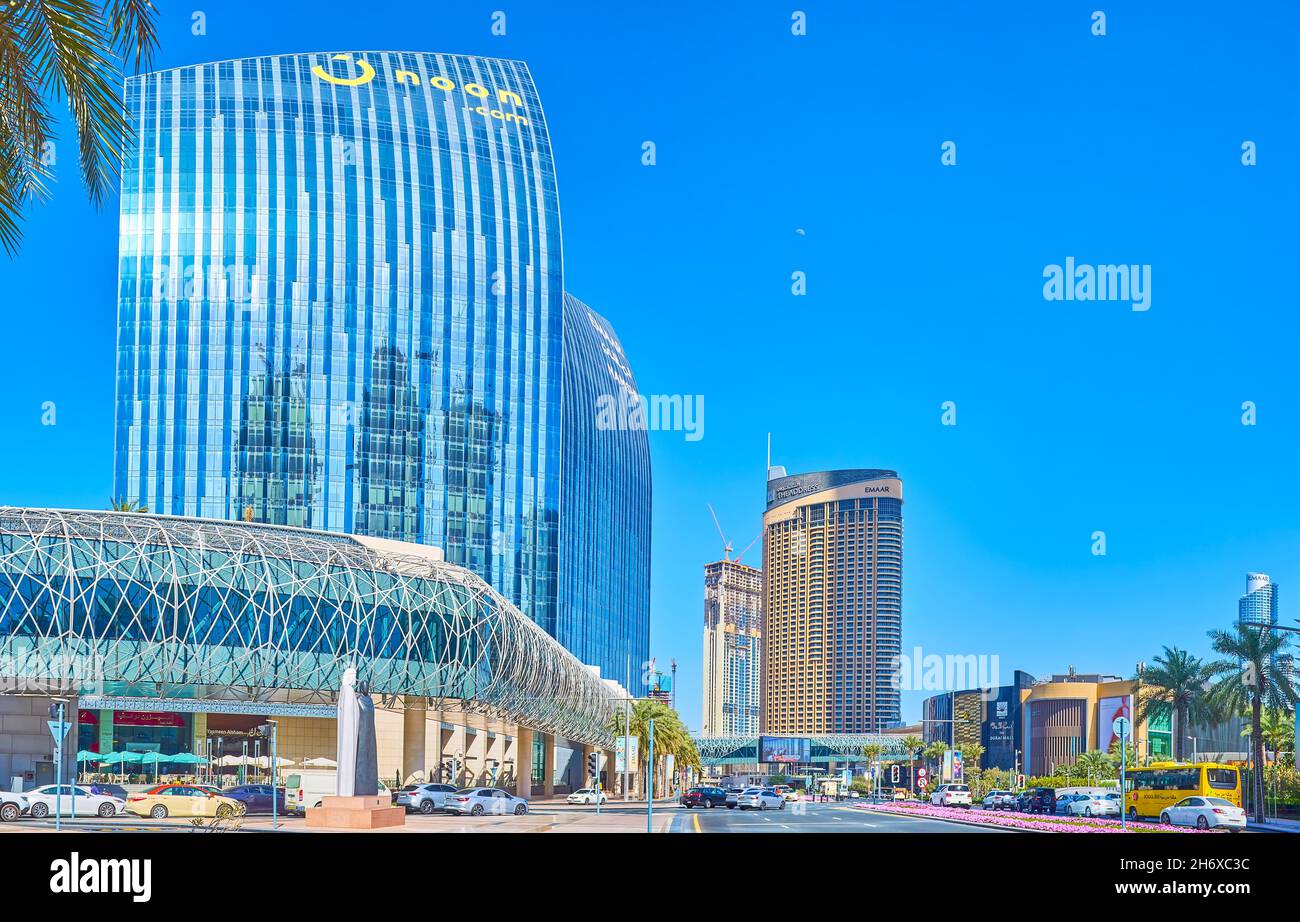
(553, 817)
(819, 818)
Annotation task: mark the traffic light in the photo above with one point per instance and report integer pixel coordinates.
(893, 774)
(593, 764)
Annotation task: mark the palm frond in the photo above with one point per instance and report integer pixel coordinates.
(73, 55)
(133, 31)
(26, 127)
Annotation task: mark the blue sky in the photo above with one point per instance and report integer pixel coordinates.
(924, 286)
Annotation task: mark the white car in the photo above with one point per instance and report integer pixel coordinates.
(951, 795)
(478, 801)
(999, 800)
(1205, 813)
(760, 799)
(12, 806)
(586, 796)
(44, 802)
(1093, 805)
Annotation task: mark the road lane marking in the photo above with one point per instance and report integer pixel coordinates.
(696, 818)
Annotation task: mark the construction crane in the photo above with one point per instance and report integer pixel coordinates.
(726, 544)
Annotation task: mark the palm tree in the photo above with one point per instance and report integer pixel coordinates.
(971, 753)
(1254, 674)
(1277, 729)
(125, 505)
(1095, 764)
(56, 49)
(913, 745)
(671, 735)
(872, 751)
(1175, 684)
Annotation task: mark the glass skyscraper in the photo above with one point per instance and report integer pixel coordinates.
(1259, 604)
(341, 306)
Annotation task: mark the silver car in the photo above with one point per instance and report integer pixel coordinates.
(760, 799)
(478, 801)
(424, 798)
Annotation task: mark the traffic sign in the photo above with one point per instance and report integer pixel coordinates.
(58, 730)
(1121, 727)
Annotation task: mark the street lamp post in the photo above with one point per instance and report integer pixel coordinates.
(1194, 749)
(650, 779)
(275, 790)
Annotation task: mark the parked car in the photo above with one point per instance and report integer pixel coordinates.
(183, 800)
(1095, 804)
(733, 797)
(999, 800)
(112, 790)
(1036, 800)
(256, 798)
(760, 799)
(586, 796)
(44, 801)
(424, 798)
(899, 794)
(1063, 802)
(951, 795)
(1205, 813)
(704, 797)
(12, 806)
(477, 801)
(309, 787)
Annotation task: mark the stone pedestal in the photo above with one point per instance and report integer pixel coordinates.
(355, 813)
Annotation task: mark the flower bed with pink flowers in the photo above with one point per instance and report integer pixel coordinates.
(1032, 821)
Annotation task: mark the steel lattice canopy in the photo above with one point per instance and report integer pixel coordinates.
(833, 747)
(104, 600)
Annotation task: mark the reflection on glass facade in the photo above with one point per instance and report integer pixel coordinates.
(341, 307)
(605, 508)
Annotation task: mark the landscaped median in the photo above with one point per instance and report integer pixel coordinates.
(1029, 821)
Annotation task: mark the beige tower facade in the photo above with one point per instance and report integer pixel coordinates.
(733, 632)
(833, 602)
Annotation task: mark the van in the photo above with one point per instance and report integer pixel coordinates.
(308, 788)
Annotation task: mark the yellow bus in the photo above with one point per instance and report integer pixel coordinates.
(1149, 790)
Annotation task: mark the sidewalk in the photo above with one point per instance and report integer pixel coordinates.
(1278, 825)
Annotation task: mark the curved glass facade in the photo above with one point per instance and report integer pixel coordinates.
(605, 508)
(138, 604)
(340, 304)
(340, 307)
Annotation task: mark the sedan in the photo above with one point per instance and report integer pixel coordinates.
(733, 797)
(256, 798)
(45, 802)
(1092, 805)
(424, 798)
(477, 801)
(586, 796)
(704, 797)
(12, 806)
(1205, 813)
(183, 800)
(760, 799)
